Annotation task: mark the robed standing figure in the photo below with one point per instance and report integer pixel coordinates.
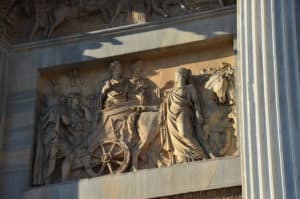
(181, 121)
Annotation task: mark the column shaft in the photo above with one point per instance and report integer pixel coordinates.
(3, 67)
(269, 98)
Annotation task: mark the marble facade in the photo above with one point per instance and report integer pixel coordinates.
(261, 157)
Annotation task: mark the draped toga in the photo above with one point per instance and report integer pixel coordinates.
(178, 121)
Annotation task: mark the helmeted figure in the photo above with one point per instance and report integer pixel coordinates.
(62, 133)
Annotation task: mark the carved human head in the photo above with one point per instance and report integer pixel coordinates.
(116, 69)
(75, 100)
(137, 69)
(182, 77)
(62, 99)
(228, 69)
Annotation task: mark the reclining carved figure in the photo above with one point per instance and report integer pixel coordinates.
(50, 16)
(161, 8)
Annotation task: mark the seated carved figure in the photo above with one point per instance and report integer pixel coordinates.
(181, 121)
(113, 91)
(145, 96)
(142, 90)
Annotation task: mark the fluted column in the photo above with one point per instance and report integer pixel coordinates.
(3, 69)
(269, 105)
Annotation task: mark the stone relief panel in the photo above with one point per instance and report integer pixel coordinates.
(228, 193)
(128, 115)
(31, 20)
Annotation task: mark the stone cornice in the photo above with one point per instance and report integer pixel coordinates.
(123, 30)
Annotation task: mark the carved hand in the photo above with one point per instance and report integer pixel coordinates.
(138, 109)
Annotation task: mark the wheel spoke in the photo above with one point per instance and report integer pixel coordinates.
(102, 149)
(118, 153)
(117, 162)
(97, 157)
(110, 168)
(102, 168)
(94, 164)
(112, 147)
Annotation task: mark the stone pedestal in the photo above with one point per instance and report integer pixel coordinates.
(269, 99)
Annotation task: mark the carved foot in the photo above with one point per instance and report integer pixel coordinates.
(212, 156)
(231, 102)
(134, 169)
(184, 8)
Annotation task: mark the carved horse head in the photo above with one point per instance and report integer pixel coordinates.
(221, 83)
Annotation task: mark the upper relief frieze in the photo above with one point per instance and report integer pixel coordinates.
(33, 20)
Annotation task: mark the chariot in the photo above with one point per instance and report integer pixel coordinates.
(109, 152)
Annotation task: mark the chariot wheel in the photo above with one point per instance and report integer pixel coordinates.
(107, 157)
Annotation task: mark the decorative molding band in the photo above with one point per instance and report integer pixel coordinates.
(178, 179)
(102, 47)
(128, 29)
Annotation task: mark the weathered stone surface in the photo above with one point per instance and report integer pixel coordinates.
(3, 73)
(183, 178)
(29, 20)
(228, 193)
(86, 116)
(27, 61)
(123, 41)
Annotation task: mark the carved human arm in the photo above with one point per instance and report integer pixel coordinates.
(196, 103)
(142, 108)
(65, 119)
(87, 112)
(102, 90)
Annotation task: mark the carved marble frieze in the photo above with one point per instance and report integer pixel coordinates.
(31, 20)
(121, 118)
(227, 193)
